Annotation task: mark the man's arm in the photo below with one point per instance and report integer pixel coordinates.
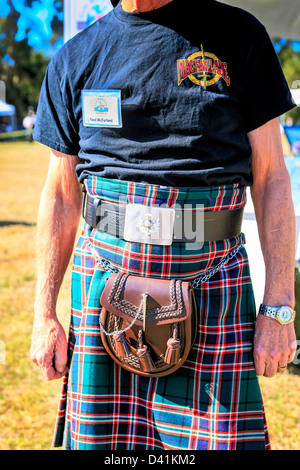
(57, 225)
(274, 344)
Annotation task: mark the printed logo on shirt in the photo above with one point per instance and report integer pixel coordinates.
(203, 69)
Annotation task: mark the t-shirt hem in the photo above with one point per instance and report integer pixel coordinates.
(54, 145)
(272, 114)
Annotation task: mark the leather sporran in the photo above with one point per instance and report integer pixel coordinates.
(148, 326)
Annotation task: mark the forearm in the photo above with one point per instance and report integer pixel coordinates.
(57, 225)
(274, 344)
(276, 225)
(56, 231)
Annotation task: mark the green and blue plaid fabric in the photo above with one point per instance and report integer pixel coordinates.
(213, 402)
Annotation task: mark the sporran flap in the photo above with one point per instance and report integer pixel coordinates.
(167, 300)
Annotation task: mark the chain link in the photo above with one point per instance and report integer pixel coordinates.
(103, 263)
(212, 271)
(125, 329)
(196, 283)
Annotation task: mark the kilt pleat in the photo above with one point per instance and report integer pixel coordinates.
(213, 402)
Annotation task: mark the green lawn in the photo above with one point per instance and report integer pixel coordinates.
(28, 404)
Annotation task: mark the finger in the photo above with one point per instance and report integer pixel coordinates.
(51, 374)
(259, 361)
(290, 358)
(49, 370)
(281, 368)
(260, 369)
(60, 360)
(260, 366)
(271, 369)
(292, 354)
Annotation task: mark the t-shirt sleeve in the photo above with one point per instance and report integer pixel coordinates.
(266, 92)
(56, 125)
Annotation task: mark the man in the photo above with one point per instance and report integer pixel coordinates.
(196, 100)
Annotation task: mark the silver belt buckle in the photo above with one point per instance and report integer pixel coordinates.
(149, 224)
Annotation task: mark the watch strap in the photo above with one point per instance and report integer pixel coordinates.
(268, 311)
(283, 314)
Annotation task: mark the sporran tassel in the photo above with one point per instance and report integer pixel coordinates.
(143, 353)
(146, 362)
(121, 346)
(172, 354)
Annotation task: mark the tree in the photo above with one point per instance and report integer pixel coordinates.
(290, 62)
(22, 67)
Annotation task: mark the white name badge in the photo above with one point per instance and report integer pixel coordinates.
(101, 108)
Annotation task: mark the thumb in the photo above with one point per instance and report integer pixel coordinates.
(61, 359)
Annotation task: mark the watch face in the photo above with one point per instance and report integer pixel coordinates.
(285, 315)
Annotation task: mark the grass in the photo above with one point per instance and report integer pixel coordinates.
(28, 403)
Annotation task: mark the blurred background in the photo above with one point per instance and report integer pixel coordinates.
(31, 32)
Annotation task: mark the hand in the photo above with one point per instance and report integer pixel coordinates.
(274, 346)
(49, 348)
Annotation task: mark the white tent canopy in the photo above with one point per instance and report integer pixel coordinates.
(280, 17)
(296, 96)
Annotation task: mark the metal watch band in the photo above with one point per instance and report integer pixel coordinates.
(268, 311)
(283, 314)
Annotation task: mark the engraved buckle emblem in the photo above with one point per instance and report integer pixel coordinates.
(149, 224)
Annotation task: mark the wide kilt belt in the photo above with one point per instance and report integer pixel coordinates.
(111, 218)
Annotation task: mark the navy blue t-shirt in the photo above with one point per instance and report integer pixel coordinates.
(192, 83)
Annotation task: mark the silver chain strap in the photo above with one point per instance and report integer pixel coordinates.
(196, 283)
(210, 272)
(103, 263)
(125, 329)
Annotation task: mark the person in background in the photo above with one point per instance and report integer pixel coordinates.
(29, 123)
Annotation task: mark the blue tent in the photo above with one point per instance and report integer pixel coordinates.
(7, 117)
(6, 109)
(293, 166)
(293, 135)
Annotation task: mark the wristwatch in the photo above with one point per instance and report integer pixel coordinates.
(284, 315)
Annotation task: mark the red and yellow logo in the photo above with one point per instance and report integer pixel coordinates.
(202, 68)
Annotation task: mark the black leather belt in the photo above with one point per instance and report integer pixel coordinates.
(218, 225)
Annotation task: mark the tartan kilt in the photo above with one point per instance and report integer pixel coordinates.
(213, 402)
